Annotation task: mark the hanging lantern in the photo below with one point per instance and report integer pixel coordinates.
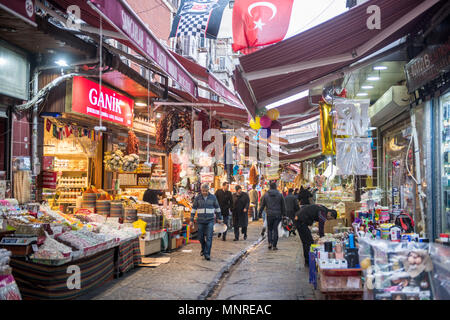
(326, 129)
(255, 123)
(265, 122)
(273, 114)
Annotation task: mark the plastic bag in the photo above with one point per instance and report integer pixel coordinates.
(354, 156)
(282, 232)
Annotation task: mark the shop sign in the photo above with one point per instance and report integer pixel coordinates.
(88, 99)
(121, 17)
(13, 63)
(220, 89)
(24, 9)
(207, 177)
(427, 66)
(49, 179)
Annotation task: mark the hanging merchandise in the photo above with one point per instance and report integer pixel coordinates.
(253, 176)
(161, 131)
(273, 114)
(176, 173)
(235, 170)
(113, 160)
(352, 118)
(326, 129)
(255, 123)
(354, 156)
(276, 125)
(132, 143)
(265, 122)
(265, 134)
(130, 162)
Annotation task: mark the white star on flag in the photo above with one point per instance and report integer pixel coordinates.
(259, 24)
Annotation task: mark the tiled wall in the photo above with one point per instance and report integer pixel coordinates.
(21, 136)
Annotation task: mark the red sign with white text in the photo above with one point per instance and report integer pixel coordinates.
(87, 98)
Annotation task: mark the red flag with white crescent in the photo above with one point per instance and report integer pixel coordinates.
(259, 23)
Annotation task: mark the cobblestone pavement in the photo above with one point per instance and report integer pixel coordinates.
(187, 275)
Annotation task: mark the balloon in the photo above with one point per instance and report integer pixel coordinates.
(255, 124)
(265, 122)
(276, 125)
(266, 133)
(273, 114)
(326, 130)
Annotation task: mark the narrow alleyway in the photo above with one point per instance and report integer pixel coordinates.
(259, 274)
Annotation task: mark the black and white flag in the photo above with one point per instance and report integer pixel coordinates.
(198, 18)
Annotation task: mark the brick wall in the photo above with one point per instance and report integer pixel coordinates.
(156, 14)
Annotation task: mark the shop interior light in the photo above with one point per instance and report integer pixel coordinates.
(367, 87)
(141, 104)
(61, 63)
(380, 68)
(373, 78)
(158, 115)
(2, 61)
(362, 94)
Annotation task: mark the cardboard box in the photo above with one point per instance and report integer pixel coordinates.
(329, 224)
(149, 246)
(349, 207)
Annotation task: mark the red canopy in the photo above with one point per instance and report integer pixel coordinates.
(286, 68)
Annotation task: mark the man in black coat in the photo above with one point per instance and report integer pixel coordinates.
(276, 208)
(225, 198)
(304, 196)
(241, 202)
(291, 206)
(305, 217)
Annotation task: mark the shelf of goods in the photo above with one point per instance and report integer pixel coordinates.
(46, 244)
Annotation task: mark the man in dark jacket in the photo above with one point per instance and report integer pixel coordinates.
(241, 202)
(291, 206)
(225, 199)
(207, 208)
(305, 217)
(276, 208)
(304, 196)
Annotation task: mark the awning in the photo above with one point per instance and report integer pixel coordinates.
(288, 67)
(117, 15)
(214, 84)
(301, 156)
(298, 110)
(226, 111)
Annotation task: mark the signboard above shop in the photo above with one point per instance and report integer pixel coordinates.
(428, 66)
(90, 99)
(24, 9)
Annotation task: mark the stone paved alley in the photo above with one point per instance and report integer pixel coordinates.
(259, 274)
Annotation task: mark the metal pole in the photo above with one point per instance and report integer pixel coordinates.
(35, 164)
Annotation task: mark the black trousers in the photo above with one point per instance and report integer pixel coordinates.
(236, 232)
(272, 229)
(306, 238)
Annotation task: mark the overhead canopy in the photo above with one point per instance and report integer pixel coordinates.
(288, 67)
(214, 84)
(119, 21)
(298, 110)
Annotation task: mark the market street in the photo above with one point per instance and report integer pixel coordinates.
(260, 275)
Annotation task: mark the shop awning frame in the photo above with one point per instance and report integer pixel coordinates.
(291, 66)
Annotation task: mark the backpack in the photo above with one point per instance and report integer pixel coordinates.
(405, 223)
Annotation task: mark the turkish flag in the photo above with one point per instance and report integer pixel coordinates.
(259, 23)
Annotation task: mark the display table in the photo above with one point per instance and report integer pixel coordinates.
(45, 282)
(127, 256)
(340, 284)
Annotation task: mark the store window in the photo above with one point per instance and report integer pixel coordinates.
(445, 161)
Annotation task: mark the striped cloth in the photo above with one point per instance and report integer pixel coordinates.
(129, 255)
(44, 282)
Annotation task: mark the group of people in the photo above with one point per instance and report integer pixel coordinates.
(273, 206)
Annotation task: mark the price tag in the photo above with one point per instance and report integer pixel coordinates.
(35, 247)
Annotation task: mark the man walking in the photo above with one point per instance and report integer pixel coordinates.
(241, 203)
(207, 208)
(275, 206)
(291, 207)
(253, 195)
(225, 199)
(305, 217)
(304, 196)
